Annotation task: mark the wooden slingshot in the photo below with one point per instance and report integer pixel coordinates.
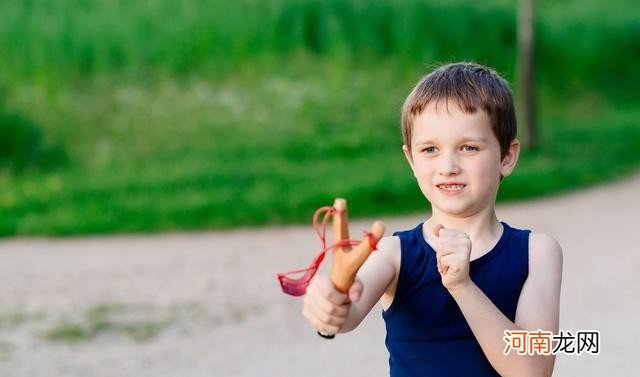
(347, 260)
(348, 255)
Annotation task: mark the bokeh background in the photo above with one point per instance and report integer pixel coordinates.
(147, 116)
(210, 123)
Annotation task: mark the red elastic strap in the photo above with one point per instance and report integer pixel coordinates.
(373, 242)
(297, 286)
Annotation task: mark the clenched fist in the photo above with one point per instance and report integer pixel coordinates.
(325, 308)
(453, 253)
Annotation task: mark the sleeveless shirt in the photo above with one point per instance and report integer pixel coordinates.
(427, 334)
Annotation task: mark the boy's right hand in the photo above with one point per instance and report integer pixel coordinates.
(326, 308)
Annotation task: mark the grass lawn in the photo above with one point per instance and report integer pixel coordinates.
(254, 149)
(249, 113)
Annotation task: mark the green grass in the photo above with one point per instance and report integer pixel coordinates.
(248, 113)
(102, 319)
(278, 147)
(12, 319)
(48, 41)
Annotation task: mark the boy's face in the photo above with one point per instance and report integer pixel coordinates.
(455, 158)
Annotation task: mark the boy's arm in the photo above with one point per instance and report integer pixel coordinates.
(538, 308)
(330, 311)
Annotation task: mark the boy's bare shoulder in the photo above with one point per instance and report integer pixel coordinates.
(389, 242)
(386, 257)
(544, 248)
(389, 246)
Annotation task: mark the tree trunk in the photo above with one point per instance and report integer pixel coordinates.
(526, 58)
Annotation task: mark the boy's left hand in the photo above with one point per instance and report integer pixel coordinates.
(453, 253)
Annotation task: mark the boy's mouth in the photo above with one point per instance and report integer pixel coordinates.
(450, 187)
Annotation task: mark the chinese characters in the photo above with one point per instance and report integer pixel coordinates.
(547, 343)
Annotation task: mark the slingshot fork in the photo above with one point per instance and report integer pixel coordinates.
(346, 261)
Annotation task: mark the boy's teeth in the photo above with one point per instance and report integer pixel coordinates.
(451, 187)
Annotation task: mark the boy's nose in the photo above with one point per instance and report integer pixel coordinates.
(449, 165)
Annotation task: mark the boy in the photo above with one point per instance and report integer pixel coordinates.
(453, 285)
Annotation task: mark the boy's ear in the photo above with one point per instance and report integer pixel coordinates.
(510, 159)
(407, 155)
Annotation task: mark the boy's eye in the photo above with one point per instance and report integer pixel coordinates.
(429, 149)
(469, 148)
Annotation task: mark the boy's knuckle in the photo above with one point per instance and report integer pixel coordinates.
(325, 293)
(332, 329)
(324, 317)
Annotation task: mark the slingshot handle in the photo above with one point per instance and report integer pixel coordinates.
(347, 261)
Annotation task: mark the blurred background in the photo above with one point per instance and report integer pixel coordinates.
(130, 116)
(147, 116)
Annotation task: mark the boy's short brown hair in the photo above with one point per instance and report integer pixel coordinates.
(471, 86)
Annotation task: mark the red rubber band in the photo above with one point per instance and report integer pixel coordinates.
(373, 242)
(296, 285)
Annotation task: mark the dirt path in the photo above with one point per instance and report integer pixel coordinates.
(208, 304)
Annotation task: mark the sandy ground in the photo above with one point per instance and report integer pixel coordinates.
(218, 310)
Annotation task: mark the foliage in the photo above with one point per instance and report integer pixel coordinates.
(22, 146)
(215, 114)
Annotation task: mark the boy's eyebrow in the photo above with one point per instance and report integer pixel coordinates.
(465, 139)
(474, 138)
(424, 142)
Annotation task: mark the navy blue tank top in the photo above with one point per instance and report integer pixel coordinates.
(427, 334)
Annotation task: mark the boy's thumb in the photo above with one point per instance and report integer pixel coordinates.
(355, 291)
